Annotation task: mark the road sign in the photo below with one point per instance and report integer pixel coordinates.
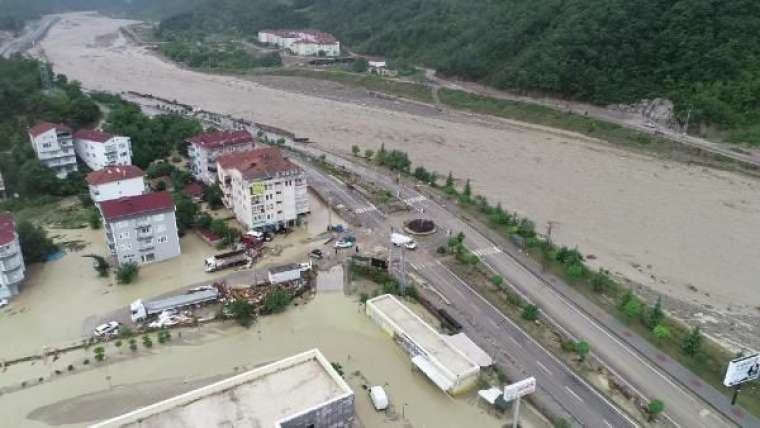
(519, 389)
(742, 370)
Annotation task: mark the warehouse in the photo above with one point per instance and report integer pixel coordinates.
(448, 367)
(299, 391)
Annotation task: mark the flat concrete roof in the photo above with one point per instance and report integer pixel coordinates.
(423, 334)
(263, 397)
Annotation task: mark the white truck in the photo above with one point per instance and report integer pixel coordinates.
(226, 260)
(139, 310)
(400, 240)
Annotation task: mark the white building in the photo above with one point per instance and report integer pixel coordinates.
(113, 182)
(54, 146)
(301, 391)
(141, 229)
(302, 42)
(205, 148)
(447, 366)
(263, 188)
(12, 266)
(100, 149)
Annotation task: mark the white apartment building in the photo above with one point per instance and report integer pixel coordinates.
(113, 182)
(141, 229)
(302, 42)
(205, 148)
(54, 145)
(100, 149)
(263, 188)
(12, 266)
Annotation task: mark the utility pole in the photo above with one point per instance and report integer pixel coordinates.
(686, 127)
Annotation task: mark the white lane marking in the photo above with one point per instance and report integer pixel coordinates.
(539, 346)
(364, 210)
(415, 199)
(414, 266)
(573, 394)
(607, 423)
(543, 367)
(489, 251)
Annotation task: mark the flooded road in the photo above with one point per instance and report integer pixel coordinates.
(332, 322)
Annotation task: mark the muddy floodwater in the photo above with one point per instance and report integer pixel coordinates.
(62, 301)
(331, 321)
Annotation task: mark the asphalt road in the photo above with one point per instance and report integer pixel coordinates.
(29, 37)
(558, 386)
(612, 344)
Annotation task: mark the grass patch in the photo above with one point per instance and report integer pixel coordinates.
(51, 211)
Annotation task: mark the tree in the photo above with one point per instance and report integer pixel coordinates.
(380, 157)
(420, 173)
(368, 154)
(212, 195)
(600, 281)
(355, 150)
(632, 309)
(202, 220)
(35, 244)
(661, 333)
(654, 408)
(118, 344)
(497, 280)
(692, 344)
(100, 264)
(93, 218)
(655, 315)
(466, 196)
(242, 311)
(185, 212)
(360, 65)
(531, 312)
(100, 353)
(147, 342)
(133, 345)
(126, 273)
(582, 349)
(449, 181)
(276, 300)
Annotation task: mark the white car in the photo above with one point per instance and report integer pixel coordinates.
(344, 243)
(111, 328)
(410, 245)
(3, 302)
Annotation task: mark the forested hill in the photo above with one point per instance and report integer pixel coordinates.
(700, 53)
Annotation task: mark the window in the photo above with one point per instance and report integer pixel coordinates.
(162, 239)
(123, 235)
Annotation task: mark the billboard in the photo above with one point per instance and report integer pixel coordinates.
(518, 389)
(257, 189)
(743, 369)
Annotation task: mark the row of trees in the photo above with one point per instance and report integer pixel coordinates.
(200, 53)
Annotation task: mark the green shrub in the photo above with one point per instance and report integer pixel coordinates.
(127, 273)
(531, 312)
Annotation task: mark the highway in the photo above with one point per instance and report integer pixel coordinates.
(625, 354)
(30, 36)
(559, 388)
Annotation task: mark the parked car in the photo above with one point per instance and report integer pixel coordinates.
(111, 328)
(316, 253)
(379, 397)
(343, 243)
(3, 302)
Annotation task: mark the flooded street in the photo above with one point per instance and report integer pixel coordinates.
(332, 322)
(62, 301)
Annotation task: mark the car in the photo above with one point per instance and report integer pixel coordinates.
(201, 288)
(255, 233)
(3, 302)
(111, 328)
(305, 267)
(410, 245)
(344, 243)
(316, 253)
(379, 397)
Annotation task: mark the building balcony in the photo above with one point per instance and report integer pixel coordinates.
(145, 235)
(142, 223)
(11, 264)
(147, 247)
(8, 252)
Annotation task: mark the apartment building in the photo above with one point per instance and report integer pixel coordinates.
(100, 149)
(205, 148)
(114, 182)
(54, 146)
(12, 266)
(302, 42)
(263, 188)
(142, 228)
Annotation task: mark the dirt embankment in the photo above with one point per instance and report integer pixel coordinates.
(682, 230)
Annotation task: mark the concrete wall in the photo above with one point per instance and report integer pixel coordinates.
(336, 414)
(118, 189)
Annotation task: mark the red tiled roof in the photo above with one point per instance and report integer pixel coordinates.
(136, 205)
(221, 138)
(93, 135)
(7, 228)
(193, 190)
(259, 163)
(113, 173)
(43, 127)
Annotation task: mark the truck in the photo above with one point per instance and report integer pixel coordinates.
(286, 273)
(401, 240)
(140, 310)
(226, 260)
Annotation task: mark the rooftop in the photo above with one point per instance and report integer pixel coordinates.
(113, 173)
(43, 127)
(263, 397)
(93, 135)
(285, 268)
(259, 163)
(7, 228)
(193, 190)
(221, 138)
(423, 334)
(137, 205)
